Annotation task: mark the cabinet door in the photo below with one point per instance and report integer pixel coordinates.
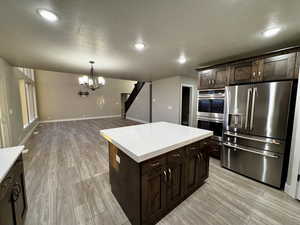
(19, 199)
(153, 194)
(243, 72)
(278, 67)
(6, 213)
(220, 77)
(203, 161)
(191, 181)
(205, 79)
(175, 169)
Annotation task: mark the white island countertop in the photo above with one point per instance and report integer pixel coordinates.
(145, 141)
(8, 157)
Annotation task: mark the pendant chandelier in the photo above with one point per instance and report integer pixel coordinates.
(92, 81)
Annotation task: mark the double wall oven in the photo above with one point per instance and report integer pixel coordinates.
(210, 115)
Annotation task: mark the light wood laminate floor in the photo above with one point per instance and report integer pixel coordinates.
(68, 184)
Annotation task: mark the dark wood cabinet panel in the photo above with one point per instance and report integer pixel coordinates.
(6, 215)
(220, 76)
(13, 202)
(205, 79)
(19, 199)
(149, 190)
(243, 72)
(279, 67)
(191, 170)
(154, 187)
(213, 78)
(203, 161)
(175, 170)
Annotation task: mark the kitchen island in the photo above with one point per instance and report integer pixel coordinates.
(154, 167)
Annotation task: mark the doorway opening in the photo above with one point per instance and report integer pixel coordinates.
(186, 105)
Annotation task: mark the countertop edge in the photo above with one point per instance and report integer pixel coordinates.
(140, 159)
(17, 148)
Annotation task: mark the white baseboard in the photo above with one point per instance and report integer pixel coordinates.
(81, 118)
(137, 120)
(28, 135)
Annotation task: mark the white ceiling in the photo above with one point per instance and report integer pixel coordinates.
(104, 30)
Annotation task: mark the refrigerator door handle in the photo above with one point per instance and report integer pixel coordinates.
(251, 151)
(253, 107)
(247, 107)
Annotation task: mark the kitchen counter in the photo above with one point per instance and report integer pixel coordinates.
(145, 141)
(154, 167)
(8, 157)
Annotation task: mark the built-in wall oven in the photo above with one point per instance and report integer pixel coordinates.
(210, 116)
(210, 113)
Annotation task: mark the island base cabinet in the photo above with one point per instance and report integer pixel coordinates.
(13, 203)
(159, 184)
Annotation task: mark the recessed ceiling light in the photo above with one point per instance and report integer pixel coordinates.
(181, 59)
(48, 15)
(271, 32)
(139, 46)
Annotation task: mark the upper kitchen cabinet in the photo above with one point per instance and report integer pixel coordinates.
(243, 72)
(278, 67)
(205, 79)
(213, 78)
(297, 66)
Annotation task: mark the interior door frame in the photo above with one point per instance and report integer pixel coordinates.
(191, 87)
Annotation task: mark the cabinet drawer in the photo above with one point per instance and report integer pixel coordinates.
(176, 155)
(155, 164)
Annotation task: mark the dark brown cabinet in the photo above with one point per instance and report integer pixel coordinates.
(278, 67)
(243, 72)
(191, 168)
(13, 203)
(274, 66)
(205, 79)
(154, 184)
(160, 183)
(213, 78)
(176, 169)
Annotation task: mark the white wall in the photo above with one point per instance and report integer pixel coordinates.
(140, 108)
(58, 99)
(166, 99)
(10, 105)
(294, 164)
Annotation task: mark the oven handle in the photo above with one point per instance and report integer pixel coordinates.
(210, 120)
(251, 151)
(211, 97)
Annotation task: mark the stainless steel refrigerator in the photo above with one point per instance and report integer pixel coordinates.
(257, 126)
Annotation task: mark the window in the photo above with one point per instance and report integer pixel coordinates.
(28, 98)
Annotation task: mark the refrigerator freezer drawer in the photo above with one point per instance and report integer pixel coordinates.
(264, 168)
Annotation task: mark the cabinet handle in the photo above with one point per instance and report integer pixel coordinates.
(194, 148)
(16, 192)
(259, 73)
(254, 74)
(165, 176)
(176, 155)
(155, 164)
(170, 173)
